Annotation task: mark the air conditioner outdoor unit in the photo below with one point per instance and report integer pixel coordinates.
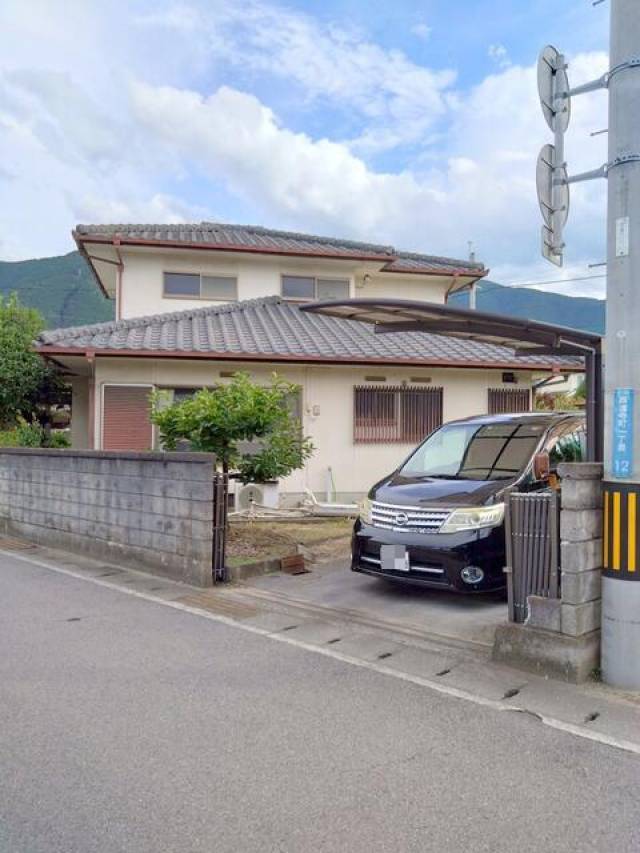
(261, 494)
(247, 495)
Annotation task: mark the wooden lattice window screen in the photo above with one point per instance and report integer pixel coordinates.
(395, 414)
(504, 401)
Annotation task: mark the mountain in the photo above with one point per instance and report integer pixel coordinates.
(62, 288)
(578, 312)
(65, 292)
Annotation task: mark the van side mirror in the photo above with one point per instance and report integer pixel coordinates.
(541, 466)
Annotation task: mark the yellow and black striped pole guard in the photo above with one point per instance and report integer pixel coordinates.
(621, 539)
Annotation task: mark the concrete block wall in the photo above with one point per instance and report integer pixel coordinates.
(581, 548)
(151, 511)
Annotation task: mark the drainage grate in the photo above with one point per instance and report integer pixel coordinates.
(219, 604)
(7, 544)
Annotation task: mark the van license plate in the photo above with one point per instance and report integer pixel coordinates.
(394, 558)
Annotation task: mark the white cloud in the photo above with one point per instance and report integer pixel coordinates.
(110, 123)
(335, 65)
(484, 191)
(499, 54)
(422, 31)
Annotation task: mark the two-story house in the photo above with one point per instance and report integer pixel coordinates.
(195, 303)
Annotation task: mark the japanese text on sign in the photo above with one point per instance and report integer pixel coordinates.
(623, 432)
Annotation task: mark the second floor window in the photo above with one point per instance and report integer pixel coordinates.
(196, 286)
(303, 287)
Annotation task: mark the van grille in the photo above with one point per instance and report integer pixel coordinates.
(415, 518)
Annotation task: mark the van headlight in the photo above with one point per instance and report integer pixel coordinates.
(365, 511)
(473, 518)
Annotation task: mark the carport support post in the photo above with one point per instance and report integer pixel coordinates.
(595, 406)
(621, 574)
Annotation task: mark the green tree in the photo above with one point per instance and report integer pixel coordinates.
(22, 371)
(222, 419)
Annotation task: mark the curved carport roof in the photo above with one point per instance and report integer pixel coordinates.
(526, 337)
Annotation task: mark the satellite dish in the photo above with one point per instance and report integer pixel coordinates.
(552, 82)
(549, 203)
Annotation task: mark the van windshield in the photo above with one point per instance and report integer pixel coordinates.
(475, 451)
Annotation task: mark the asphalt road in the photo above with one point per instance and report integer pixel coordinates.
(129, 726)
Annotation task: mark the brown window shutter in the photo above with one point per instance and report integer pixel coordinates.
(504, 401)
(395, 414)
(125, 418)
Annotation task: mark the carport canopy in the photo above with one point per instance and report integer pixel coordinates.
(525, 337)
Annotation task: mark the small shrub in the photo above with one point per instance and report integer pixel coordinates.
(221, 420)
(58, 439)
(33, 435)
(29, 435)
(8, 438)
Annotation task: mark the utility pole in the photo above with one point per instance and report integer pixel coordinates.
(621, 575)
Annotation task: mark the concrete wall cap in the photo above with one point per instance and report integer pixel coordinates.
(130, 455)
(581, 470)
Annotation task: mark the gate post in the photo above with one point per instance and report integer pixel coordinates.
(219, 527)
(561, 636)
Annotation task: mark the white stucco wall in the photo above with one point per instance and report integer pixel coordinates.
(402, 286)
(327, 409)
(258, 276)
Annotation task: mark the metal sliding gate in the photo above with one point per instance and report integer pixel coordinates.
(532, 532)
(219, 527)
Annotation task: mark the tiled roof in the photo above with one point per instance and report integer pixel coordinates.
(256, 239)
(272, 328)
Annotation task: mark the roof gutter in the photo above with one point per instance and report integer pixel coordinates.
(197, 355)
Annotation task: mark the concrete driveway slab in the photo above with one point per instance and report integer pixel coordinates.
(465, 618)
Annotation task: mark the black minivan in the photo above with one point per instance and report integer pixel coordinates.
(438, 520)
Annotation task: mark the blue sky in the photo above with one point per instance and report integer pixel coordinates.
(415, 124)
